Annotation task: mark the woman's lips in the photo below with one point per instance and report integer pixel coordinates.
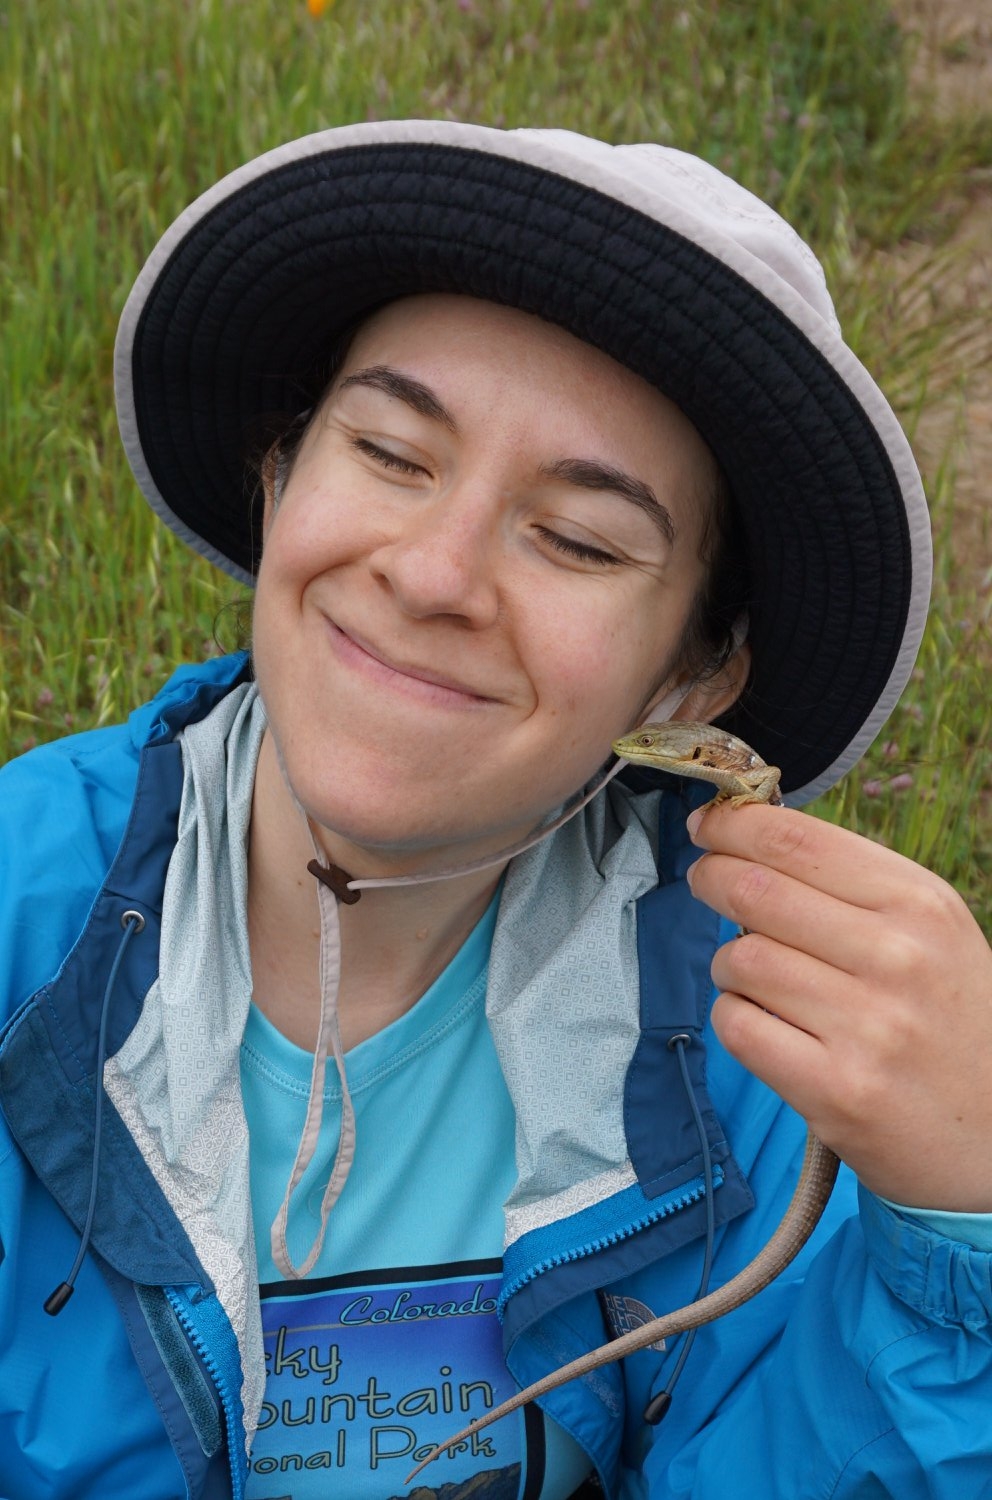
(420, 682)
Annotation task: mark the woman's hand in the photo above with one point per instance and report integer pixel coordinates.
(862, 993)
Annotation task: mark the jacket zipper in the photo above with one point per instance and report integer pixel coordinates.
(182, 1309)
(690, 1194)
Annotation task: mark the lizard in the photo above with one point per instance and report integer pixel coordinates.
(740, 776)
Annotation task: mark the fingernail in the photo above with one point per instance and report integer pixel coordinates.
(690, 873)
(693, 821)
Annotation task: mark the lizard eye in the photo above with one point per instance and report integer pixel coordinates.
(644, 739)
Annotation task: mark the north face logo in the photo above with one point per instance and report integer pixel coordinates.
(623, 1314)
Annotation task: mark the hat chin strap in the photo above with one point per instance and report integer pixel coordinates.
(334, 885)
(660, 712)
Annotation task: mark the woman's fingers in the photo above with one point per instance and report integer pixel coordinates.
(783, 907)
(862, 993)
(817, 853)
(839, 897)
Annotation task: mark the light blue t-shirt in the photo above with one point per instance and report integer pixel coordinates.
(392, 1343)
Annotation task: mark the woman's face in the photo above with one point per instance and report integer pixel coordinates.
(480, 566)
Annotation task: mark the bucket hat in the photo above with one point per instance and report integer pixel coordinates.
(643, 251)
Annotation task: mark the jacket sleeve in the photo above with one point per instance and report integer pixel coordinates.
(879, 1386)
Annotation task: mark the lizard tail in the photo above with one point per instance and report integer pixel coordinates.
(816, 1180)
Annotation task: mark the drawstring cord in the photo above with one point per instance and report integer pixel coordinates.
(349, 889)
(333, 886)
(328, 1032)
(658, 1406)
(354, 887)
(132, 922)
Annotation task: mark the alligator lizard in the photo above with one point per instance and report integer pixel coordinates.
(739, 775)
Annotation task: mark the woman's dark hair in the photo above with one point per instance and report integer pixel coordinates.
(276, 452)
(711, 634)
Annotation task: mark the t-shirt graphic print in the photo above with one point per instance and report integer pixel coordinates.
(367, 1372)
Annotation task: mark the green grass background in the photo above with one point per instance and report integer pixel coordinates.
(117, 112)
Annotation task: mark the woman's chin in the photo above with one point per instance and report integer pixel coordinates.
(403, 843)
(372, 822)
(385, 836)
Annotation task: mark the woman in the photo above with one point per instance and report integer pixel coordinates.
(561, 438)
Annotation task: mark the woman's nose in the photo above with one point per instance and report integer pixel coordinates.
(443, 561)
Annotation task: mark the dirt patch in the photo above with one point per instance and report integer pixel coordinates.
(952, 65)
(952, 40)
(954, 426)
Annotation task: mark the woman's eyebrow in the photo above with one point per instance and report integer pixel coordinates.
(587, 474)
(404, 388)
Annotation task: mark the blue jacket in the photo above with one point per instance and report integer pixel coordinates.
(866, 1370)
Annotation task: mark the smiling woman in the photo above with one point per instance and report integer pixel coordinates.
(434, 557)
(568, 440)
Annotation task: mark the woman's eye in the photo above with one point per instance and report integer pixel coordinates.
(580, 550)
(386, 459)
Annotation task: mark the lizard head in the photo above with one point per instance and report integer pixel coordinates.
(665, 744)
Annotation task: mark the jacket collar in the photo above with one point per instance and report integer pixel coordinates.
(48, 1054)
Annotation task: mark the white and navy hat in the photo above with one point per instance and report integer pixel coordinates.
(645, 252)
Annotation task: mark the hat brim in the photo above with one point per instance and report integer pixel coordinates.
(237, 307)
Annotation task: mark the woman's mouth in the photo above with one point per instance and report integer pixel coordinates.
(421, 683)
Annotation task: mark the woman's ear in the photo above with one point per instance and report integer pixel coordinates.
(703, 700)
(711, 696)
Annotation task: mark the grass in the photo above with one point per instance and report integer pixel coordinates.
(116, 113)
